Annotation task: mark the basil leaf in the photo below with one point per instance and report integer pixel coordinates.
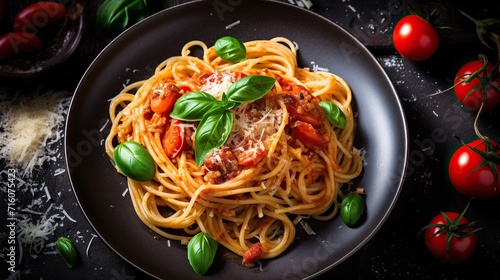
(351, 208)
(114, 16)
(134, 161)
(192, 106)
(226, 103)
(249, 88)
(214, 115)
(67, 250)
(212, 132)
(201, 250)
(334, 115)
(230, 49)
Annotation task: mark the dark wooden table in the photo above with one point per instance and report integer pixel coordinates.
(397, 250)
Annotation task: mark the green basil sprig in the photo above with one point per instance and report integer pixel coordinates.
(215, 118)
(334, 115)
(212, 132)
(134, 161)
(230, 49)
(201, 251)
(114, 16)
(67, 250)
(351, 208)
(194, 105)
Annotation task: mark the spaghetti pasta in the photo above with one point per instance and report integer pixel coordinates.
(282, 159)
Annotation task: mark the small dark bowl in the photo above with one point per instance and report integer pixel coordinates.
(60, 42)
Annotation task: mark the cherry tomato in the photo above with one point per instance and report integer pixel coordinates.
(301, 104)
(468, 173)
(37, 15)
(164, 97)
(174, 139)
(238, 75)
(297, 111)
(184, 89)
(252, 255)
(308, 135)
(14, 43)
(463, 240)
(467, 93)
(250, 157)
(415, 38)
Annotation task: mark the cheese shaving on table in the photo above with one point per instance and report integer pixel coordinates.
(31, 122)
(90, 242)
(307, 228)
(68, 216)
(302, 3)
(307, 3)
(35, 235)
(233, 24)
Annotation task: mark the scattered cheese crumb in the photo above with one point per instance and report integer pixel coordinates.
(302, 3)
(233, 24)
(90, 242)
(47, 193)
(125, 192)
(59, 171)
(68, 216)
(307, 3)
(307, 228)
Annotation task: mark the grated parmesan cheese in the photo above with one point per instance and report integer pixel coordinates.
(233, 24)
(90, 242)
(35, 235)
(302, 3)
(68, 216)
(252, 131)
(307, 228)
(216, 88)
(59, 171)
(30, 123)
(49, 197)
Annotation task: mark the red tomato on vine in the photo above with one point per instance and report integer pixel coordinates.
(450, 237)
(476, 81)
(474, 169)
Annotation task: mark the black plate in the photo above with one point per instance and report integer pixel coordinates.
(382, 132)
